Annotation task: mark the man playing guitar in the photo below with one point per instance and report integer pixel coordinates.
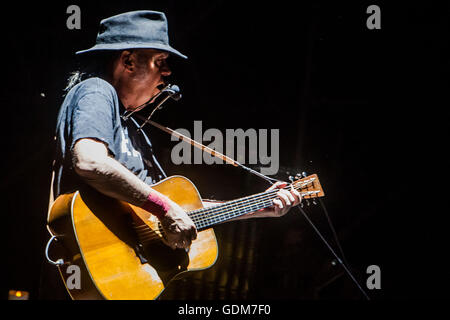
(97, 147)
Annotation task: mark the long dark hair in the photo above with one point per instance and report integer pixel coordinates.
(94, 64)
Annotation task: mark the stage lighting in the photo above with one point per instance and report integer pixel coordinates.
(18, 295)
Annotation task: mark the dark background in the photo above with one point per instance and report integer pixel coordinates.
(364, 109)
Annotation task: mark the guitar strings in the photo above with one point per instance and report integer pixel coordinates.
(208, 216)
(265, 196)
(152, 234)
(203, 214)
(211, 211)
(201, 222)
(253, 204)
(149, 234)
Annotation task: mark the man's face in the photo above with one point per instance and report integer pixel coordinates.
(150, 68)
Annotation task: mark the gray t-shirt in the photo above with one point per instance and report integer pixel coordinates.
(92, 109)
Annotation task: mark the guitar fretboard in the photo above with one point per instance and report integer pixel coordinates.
(207, 217)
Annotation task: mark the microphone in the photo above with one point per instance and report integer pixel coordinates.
(173, 91)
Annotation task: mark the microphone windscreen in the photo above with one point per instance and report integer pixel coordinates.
(175, 88)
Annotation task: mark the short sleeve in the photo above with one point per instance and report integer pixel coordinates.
(93, 117)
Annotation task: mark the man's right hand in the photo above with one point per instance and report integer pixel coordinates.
(179, 229)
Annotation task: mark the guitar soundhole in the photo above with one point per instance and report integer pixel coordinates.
(164, 258)
(166, 261)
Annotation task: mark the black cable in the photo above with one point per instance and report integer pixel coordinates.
(336, 239)
(334, 253)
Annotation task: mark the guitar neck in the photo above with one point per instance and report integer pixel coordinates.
(208, 217)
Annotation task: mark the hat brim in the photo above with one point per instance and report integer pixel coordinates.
(124, 46)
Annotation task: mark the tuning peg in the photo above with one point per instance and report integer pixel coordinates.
(291, 178)
(304, 174)
(307, 202)
(314, 202)
(298, 175)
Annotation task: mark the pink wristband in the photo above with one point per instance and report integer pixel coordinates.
(155, 206)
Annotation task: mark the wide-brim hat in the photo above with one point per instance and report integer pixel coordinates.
(142, 29)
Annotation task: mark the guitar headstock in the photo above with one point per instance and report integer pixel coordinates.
(308, 186)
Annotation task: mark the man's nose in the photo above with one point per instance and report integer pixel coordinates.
(165, 70)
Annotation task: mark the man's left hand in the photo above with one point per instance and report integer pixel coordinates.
(285, 200)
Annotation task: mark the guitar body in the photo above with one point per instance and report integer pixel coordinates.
(99, 235)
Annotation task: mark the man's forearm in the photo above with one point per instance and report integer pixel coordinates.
(109, 176)
(112, 179)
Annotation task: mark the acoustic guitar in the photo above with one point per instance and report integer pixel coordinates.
(117, 249)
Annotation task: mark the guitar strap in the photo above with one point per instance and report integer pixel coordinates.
(51, 201)
(51, 198)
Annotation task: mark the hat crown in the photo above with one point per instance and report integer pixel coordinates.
(134, 28)
(143, 29)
